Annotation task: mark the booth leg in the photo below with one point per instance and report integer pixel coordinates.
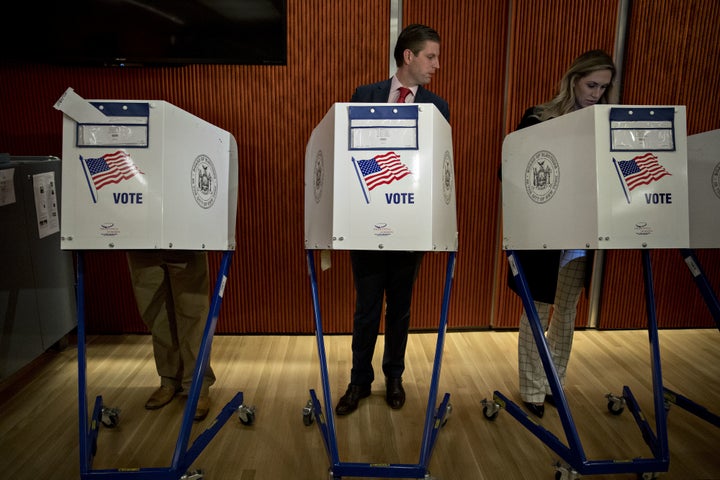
(546, 358)
(325, 423)
(713, 305)
(88, 439)
(434, 420)
(182, 457)
(573, 453)
(711, 300)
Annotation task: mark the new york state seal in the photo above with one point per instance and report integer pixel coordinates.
(542, 176)
(204, 181)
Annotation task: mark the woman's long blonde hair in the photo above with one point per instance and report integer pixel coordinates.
(564, 101)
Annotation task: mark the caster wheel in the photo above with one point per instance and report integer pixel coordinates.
(490, 416)
(308, 416)
(307, 419)
(193, 475)
(565, 472)
(110, 417)
(616, 405)
(490, 410)
(448, 412)
(246, 415)
(615, 409)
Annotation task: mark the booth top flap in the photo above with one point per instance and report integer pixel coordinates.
(108, 112)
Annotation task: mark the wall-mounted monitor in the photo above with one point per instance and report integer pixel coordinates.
(145, 32)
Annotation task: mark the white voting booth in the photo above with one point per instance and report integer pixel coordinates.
(603, 177)
(380, 177)
(145, 174)
(704, 186)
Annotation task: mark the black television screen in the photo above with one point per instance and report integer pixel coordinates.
(145, 32)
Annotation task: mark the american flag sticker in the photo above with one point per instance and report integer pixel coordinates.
(379, 170)
(109, 169)
(641, 170)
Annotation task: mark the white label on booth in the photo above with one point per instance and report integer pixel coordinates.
(383, 127)
(118, 135)
(638, 129)
(125, 125)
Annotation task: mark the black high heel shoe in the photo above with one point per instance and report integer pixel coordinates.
(537, 410)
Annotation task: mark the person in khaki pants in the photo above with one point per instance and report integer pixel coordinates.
(171, 291)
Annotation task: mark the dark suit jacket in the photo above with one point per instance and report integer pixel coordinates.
(380, 91)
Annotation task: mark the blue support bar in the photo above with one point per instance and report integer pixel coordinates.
(182, 456)
(432, 422)
(711, 300)
(328, 424)
(86, 452)
(660, 447)
(201, 363)
(692, 407)
(573, 453)
(546, 359)
(434, 419)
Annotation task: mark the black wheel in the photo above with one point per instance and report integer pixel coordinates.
(110, 417)
(247, 418)
(615, 408)
(491, 416)
(307, 419)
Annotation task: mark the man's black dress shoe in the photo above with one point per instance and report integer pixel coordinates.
(537, 410)
(550, 399)
(349, 402)
(394, 393)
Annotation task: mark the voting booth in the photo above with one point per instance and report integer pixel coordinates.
(704, 186)
(602, 177)
(144, 174)
(380, 177)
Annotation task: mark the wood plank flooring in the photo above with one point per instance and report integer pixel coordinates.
(39, 421)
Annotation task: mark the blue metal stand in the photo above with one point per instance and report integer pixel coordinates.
(713, 305)
(573, 453)
(182, 457)
(434, 418)
(702, 283)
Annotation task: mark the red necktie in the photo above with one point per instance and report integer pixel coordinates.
(404, 91)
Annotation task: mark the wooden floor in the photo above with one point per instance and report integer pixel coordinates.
(39, 421)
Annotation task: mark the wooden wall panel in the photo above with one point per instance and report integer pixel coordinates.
(471, 79)
(673, 58)
(545, 37)
(495, 62)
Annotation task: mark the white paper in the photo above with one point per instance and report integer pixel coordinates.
(7, 187)
(46, 204)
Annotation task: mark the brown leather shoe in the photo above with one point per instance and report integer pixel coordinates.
(160, 397)
(203, 407)
(394, 393)
(349, 402)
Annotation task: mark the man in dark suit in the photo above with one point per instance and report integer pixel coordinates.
(387, 277)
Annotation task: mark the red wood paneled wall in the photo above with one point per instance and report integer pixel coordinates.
(497, 58)
(545, 38)
(673, 58)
